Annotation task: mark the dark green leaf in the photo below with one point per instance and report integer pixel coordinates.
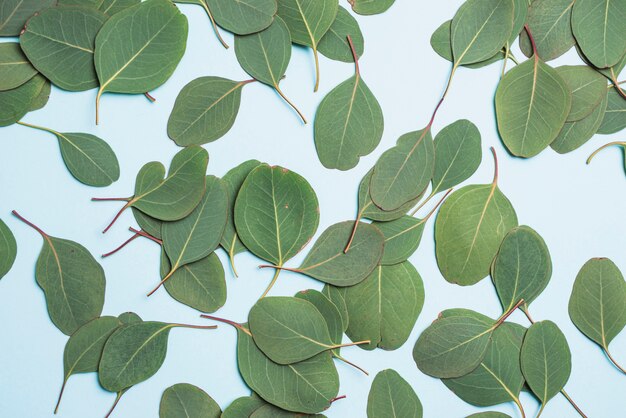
(15, 13)
(392, 396)
(367, 208)
(189, 401)
(384, 307)
(370, 7)
(402, 238)
(243, 407)
(549, 22)
(243, 17)
(329, 311)
(489, 415)
(334, 44)
(588, 89)
(15, 103)
(270, 411)
(8, 249)
(15, 69)
(575, 134)
(615, 114)
(42, 97)
(337, 296)
(64, 35)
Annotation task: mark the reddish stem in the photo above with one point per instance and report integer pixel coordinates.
(117, 216)
(269, 266)
(56, 408)
(149, 97)
(146, 235)
(32, 225)
(110, 199)
(237, 325)
(509, 313)
(532, 41)
(338, 398)
(355, 56)
(117, 399)
(352, 235)
(128, 241)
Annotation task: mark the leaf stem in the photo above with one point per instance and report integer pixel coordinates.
(520, 407)
(317, 70)
(110, 199)
(56, 408)
(508, 313)
(424, 202)
(338, 398)
(32, 225)
(149, 97)
(273, 282)
(215, 28)
(128, 241)
(608, 354)
(98, 96)
(39, 128)
(616, 84)
(357, 221)
(532, 41)
(496, 168)
(228, 322)
(571, 401)
(162, 282)
(231, 256)
(351, 344)
(610, 144)
(427, 217)
(146, 235)
(290, 103)
(194, 326)
(354, 56)
(337, 356)
(117, 400)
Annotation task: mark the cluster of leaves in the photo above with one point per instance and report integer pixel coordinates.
(539, 106)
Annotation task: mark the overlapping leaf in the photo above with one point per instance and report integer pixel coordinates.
(189, 401)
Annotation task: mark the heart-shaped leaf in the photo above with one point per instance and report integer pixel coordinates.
(189, 401)
(15, 69)
(8, 249)
(391, 395)
(384, 307)
(15, 13)
(46, 41)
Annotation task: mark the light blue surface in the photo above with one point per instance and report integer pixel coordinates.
(578, 209)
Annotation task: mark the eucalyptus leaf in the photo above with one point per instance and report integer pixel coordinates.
(276, 214)
(522, 268)
(233, 180)
(469, 229)
(577, 133)
(88, 158)
(597, 305)
(111, 7)
(15, 69)
(615, 114)
(15, 13)
(139, 48)
(329, 312)
(175, 196)
(189, 401)
(337, 296)
(391, 395)
(270, 411)
(403, 172)
(546, 360)
(454, 346)
(205, 110)
(200, 284)
(71, 279)
(549, 22)
(498, 379)
(243, 17)
(198, 234)
(147, 223)
(84, 348)
(532, 105)
(402, 238)
(8, 249)
(598, 26)
(41, 99)
(15, 103)
(243, 407)
(367, 208)
(134, 353)
(370, 7)
(308, 21)
(328, 262)
(334, 44)
(349, 122)
(479, 29)
(289, 330)
(47, 43)
(384, 307)
(588, 89)
(129, 318)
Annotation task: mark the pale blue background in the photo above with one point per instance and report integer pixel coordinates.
(578, 209)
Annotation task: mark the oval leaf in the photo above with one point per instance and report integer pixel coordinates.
(575, 134)
(189, 401)
(243, 17)
(15, 13)
(549, 22)
(614, 116)
(334, 44)
(371, 7)
(402, 238)
(15, 69)
(15, 103)
(588, 89)
(391, 395)
(8, 249)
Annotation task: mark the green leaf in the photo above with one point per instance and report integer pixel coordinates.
(15, 103)
(598, 26)
(198, 234)
(175, 196)
(270, 411)
(111, 7)
(498, 379)
(532, 104)
(337, 296)
(71, 279)
(588, 89)
(489, 415)
(305, 387)
(367, 208)
(384, 307)
(403, 172)
(276, 213)
(575, 134)
(480, 29)
(15, 13)
(189, 401)
(328, 262)
(233, 180)
(523, 267)
(349, 123)
(243, 17)
(469, 228)
(370, 7)
(614, 116)
(402, 238)
(549, 22)
(308, 21)
(42, 97)
(205, 110)
(84, 348)
(597, 305)
(454, 346)
(391, 395)
(243, 407)
(546, 360)
(8, 249)
(47, 41)
(457, 154)
(88, 158)
(15, 69)
(129, 318)
(329, 311)
(334, 44)
(138, 49)
(289, 330)
(147, 223)
(200, 284)
(134, 353)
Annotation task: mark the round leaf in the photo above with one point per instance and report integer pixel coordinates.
(189, 401)
(8, 249)
(243, 17)
(15, 103)
(391, 395)
(402, 238)
(575, 134)
(15, 69)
